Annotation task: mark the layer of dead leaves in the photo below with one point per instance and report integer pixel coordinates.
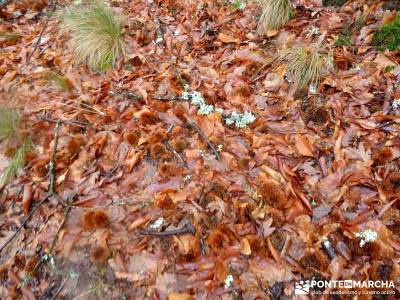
(315, 167)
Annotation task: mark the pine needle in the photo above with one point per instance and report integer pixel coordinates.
(305, 64)
(9, 122)
(16, 163)
(275, 13)
(96, 35)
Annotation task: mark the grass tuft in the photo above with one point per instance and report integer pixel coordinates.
(275, 13)
(96, 34)
(388, 37)
(305, 64)
(8, 36)
(9, 122)
(59, 80)
(344, 38)
(17, 162)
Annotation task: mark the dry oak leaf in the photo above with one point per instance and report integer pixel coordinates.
(179, 296)
(245, 247)
(303, 145)
(228, 38)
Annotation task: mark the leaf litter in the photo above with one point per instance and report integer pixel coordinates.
(305, 185)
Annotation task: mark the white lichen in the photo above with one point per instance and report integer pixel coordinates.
(205, 109)
(219, 110)
(396, 103)
(187, 179)
(366, 236)
(157, 223)
(313, 88)
(313, 31)
(228, 282)
(202, 153)
(197, 99)
(240, 120)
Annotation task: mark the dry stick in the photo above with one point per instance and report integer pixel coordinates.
(24, 223)
(168, 98)
(53, 244)
(94, 111)
(53, 157)
(178, 157)
(50, 252)
(159, 32)
(59, 290)
(53, 8)
(205, 138)
(74, 123)
(188, 228)
(128, 94)
(50, 193)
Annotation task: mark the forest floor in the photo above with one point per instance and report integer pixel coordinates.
(153, 201)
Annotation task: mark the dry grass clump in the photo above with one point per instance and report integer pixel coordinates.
(96, 34)
(275, 13)
(60, 81)
(9, 122)
(305, 64)
(16, 163)
(9, 37)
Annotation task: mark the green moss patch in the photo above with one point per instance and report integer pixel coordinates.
(388, 37)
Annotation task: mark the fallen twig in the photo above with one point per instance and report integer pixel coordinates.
(24, 222)
(49, 194)
(52, 159)
(50, 253)
(53, 245)
(168, 98)
(188, 228)
(68, 122)
(159, 32)
(128, 94)
(205, 138)
(177, 156)
(59, 289)
(53, 8)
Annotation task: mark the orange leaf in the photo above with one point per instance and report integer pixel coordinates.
(179, 296)
(228, 38)
(303, 146)
(245, 247)
(220, 271)
(27, 199)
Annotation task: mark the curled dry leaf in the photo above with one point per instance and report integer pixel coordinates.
(27, 198)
